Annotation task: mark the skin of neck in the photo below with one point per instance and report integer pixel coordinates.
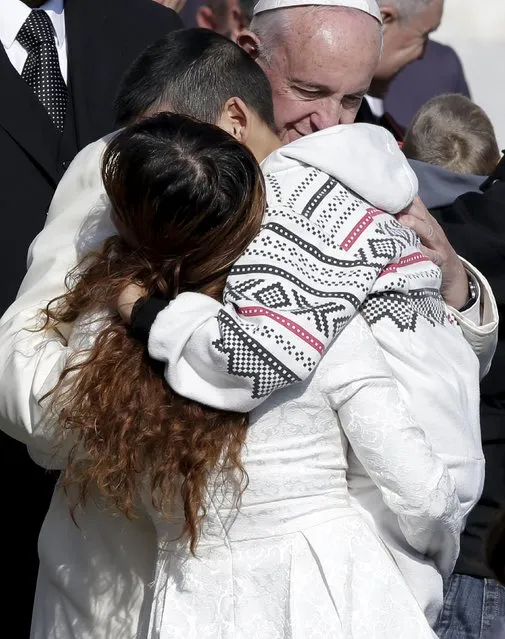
(262, 141)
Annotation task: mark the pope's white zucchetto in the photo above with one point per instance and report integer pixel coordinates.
(368, 6)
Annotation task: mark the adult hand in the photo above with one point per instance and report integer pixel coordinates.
(436, 246)
(176, 5)
(127, 299)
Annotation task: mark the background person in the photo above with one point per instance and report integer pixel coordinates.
(439, 71)
(452, 132)
(451, 137)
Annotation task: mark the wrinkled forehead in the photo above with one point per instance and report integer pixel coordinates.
(331, 47)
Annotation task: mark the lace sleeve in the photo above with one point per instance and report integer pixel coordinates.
(414, 482)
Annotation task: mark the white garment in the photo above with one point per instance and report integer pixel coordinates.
(368, 6)
(376, 105)
(435, 369)
(14, 14)
(296, 561)
(30, 363)
(283, 307)
(93, 579)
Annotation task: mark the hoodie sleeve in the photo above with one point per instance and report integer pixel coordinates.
(298, 284)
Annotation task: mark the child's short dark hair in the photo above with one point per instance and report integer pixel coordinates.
(194, 72)
(453, 132)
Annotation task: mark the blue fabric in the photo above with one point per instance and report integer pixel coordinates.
(473, 609)
(497, 630)
(438, 71)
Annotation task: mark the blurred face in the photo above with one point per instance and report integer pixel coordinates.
(320, 74)
(176, 5)
(228, 22)
(405, 41)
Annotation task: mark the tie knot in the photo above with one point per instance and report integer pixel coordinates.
(37, 29)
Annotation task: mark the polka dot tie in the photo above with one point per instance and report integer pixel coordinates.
(42, 68)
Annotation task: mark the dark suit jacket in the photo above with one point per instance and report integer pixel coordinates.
(366, 115)
(103, 38)
(439, 71)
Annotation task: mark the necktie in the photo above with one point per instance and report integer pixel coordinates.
(42, 68)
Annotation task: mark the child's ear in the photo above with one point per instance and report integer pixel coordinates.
(236, 119)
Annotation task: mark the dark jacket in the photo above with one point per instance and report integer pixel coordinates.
(438, 71)
(474, 221)
(366, 115)
(103, 38)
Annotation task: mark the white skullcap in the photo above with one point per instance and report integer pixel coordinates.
(368, 6)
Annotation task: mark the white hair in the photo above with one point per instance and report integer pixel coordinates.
(407, 8)
(272, 27)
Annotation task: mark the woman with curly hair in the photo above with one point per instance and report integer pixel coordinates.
(257, 536)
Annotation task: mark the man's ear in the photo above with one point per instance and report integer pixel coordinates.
(250, 42)
(236, 119)
(205, 18)
(390, 15)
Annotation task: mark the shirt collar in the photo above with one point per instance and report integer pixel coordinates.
(15, 13)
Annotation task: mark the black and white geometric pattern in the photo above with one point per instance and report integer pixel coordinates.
(403, 310)
(318, 197)
(248, 358)
(42, 68)
(322, 255)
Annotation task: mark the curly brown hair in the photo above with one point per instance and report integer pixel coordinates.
(186, 199)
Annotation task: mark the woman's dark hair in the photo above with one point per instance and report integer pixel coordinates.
(187, 199)
(193, 71)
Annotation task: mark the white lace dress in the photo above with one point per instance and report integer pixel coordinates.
(296, 561)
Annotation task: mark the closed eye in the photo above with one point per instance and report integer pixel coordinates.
(308, 93)
(351, 101)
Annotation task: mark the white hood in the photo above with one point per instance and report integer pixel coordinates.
(364, 157)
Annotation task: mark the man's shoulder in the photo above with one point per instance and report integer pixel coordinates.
(140, 14)
(444, 54)
(475, 225)
(122, 28)
(449, 68)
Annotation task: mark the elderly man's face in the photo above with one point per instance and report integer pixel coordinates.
(405, 40)
(321, 70)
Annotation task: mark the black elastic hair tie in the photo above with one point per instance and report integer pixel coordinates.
(144, 313)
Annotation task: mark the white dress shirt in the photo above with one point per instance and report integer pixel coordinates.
(13, 15)
(376, 105)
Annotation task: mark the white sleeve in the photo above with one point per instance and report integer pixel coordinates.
(480, 323)
(31, 361)
(414, 482)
